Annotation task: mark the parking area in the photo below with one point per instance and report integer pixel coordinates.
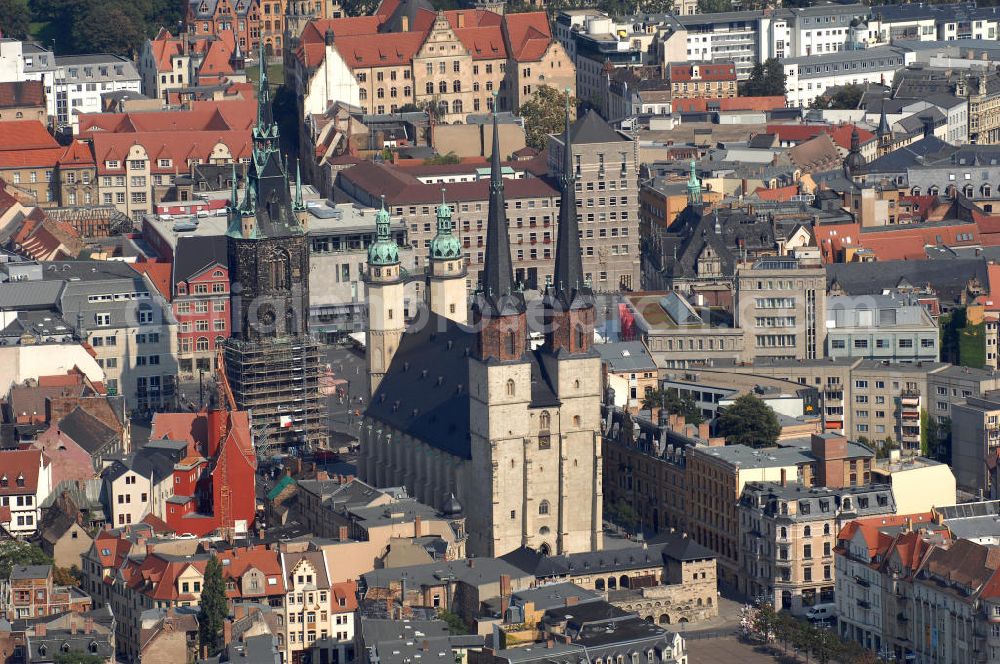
(725, 650)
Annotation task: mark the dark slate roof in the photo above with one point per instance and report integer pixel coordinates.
(672, 546)
(900, 159)
(425, 392)
(30, 572)
(591, 128)
(87, 431)
(698, 230)
(155, 462)
(947, 278)
(194, 254)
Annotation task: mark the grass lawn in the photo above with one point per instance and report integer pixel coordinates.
(972, 346)
(44, 32)
(275, 74)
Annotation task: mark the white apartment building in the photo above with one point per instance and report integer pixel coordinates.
(73, 83)
(25, 482)
(808, 77)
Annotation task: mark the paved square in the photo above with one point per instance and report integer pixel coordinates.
(726, 650)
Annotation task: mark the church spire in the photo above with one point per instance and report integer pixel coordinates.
(498, 269)
(298, 205)
(444, 246)
(568, 275)
(265, 132)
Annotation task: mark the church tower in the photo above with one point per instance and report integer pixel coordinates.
(384, 283)
(575, 370)
(884, 133)
(447, 274)
(272, 363)
(500, 391)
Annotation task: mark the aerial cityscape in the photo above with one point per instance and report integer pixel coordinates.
(499, 332)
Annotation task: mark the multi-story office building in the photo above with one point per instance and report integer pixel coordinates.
(975, 439)
(129, 324)
(726, 37)
(807, 77)
(880, 327)
(781, 308)
(787, 536)
(715, 476)
(607, 200)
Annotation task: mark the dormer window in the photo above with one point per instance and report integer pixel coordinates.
(4, 481)
(20, 480)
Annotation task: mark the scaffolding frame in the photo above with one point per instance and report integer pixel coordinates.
(277, 378)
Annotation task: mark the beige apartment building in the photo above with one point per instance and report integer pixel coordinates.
(781, 308)
(787, 536)
(607, 198)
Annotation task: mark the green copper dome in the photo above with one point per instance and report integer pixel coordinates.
(445, 246)
(383, 251)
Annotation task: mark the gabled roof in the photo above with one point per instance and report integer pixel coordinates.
(25, 135)
(194, 255)
(87, 431)
(159, 275)
(380, 50)
(591, 128)
(19, 471)
(528, 35)
(14, 94)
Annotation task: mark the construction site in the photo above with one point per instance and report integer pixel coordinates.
(278, 381)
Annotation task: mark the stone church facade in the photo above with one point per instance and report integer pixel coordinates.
(513, 432)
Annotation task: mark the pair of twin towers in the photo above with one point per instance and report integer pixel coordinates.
(499, 316)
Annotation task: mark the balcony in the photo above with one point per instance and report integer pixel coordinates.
(862, 582)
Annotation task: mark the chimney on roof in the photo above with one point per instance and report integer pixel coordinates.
(406, 24)
(703, 431)
(784, 477)
(88, 626)
(342, 533)
(472, 562)
(322, 475)
(417, 526)
(40, 629)
(72, 627)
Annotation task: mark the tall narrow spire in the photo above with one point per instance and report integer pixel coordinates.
(883, 123)
(568, 275)
(234, 194)
(298, 205)
(265, 128)
(498, 270)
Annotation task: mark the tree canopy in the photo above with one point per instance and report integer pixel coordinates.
(748, 421)
(766, 79)
(544, 114)
(846, 97)
(213, 608)
(14, 553)
(81, 26)
(674, 404)
(15, 18)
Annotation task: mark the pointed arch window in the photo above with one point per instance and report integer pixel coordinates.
(279, 267)
(512, 344)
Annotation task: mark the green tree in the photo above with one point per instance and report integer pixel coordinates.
(621, 512)
(437, 160)
(544, 114)
(67, 576)
(714, 6)
(214, 608)
(674, 404)
(77, 657)
(90, 30)
(749, 421)
(455, 623)
(14, 553)
(847, 97)
(15, 18)
(766, 79)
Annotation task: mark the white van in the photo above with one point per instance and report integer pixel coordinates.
(819, 612)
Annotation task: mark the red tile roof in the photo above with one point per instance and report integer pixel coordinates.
(685, 72)
(164, 48)
(77, 153)
(315, 31)
(382, 50)
(23, 464)
(159, 274)
(870, 528)
(179, 147)
(779, 194)
(346, 591)
(44, 158)
(22, 93)
(528, 35)
(700, 105)
(220, 115)
(25, 135)
(797, 133)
